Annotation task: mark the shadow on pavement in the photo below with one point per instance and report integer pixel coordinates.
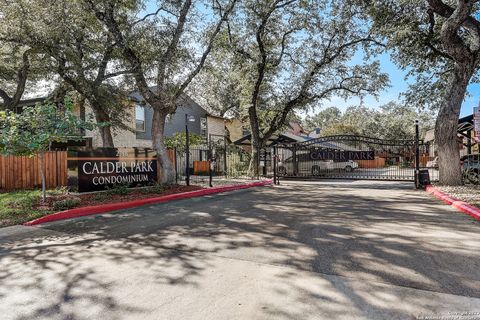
(357, 237)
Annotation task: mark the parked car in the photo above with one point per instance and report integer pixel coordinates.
(433, 163)
(471, 168)
(307, 166)
(348, 166)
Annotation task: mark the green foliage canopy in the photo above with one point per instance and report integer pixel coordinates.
(178, 141)
(390, 121)
(36, 128)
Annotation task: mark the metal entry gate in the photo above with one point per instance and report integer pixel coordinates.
(353, 157)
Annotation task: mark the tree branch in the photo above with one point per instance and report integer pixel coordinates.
(153, 14)
(104, 63)
(6, 99)
(282, 50)
(166, 58)
(118, 73)
(205, 54)
(22, 76)
(303, 97)
(455, 19)
(108, 17)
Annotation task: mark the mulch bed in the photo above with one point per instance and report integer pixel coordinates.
(92, 199)
(468, 193)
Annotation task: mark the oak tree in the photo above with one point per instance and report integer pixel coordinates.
(165, 49)
(438, 42)
(76, 48)
(291, 54)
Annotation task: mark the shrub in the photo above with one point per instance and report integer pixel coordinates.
(65, 204)
(118, 189)
(59, 191)
(157, 188)
(100, 197)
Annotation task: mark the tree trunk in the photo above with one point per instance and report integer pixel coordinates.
(41, 157)
(254, 165)
(257, 142)
(165, 169)
(105, 130)
(447, 125)
(107, 138)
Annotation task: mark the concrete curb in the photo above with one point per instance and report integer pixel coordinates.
(91, 210)
(457, 204)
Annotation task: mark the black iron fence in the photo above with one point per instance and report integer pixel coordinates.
(471, 168)
(335, 157)
(212, 164)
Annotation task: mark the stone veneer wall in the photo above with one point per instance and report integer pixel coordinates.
(121, 138)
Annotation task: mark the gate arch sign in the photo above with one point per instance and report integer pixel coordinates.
(319, 154)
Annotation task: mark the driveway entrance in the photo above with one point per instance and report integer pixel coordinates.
(320, 250)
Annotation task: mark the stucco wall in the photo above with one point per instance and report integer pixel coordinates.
(215, 128)
(142, 143)
(235, 129)
(175, 122)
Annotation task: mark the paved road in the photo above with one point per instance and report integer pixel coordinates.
(388, 173)
(324, 250)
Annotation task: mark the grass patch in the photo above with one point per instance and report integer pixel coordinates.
(26, 205)
(19, 207)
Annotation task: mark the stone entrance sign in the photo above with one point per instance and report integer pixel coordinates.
(102, 168)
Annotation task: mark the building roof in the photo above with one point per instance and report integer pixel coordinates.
(464, 124)
(214, 116)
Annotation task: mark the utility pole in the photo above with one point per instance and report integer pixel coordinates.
(187, 148)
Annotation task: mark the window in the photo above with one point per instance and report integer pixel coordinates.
(140, 118)
(203, 126)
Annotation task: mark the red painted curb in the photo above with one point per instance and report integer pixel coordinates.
(457, 204)
(91, 210)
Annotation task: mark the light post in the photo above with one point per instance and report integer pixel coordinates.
(417, 155)
(187, 148)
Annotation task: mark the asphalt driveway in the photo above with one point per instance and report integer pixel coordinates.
(304, 250)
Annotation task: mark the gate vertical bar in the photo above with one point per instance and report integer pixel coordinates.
(187, 155)
(294, 157)
(176, 164)
(417, 155)
(274, 165)
(211, 159)
(224, 156)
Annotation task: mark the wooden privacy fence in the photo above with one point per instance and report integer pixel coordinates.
(377, 163)
(24, 172)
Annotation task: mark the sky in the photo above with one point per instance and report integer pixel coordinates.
(398, 84)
